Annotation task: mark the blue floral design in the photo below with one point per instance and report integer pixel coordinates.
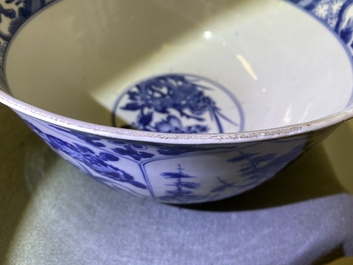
(87, 138)
(258, 166)
(88, 158)
(134, 151)
(177, 97)
(183, 191)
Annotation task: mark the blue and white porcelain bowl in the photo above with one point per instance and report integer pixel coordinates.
(180, 101)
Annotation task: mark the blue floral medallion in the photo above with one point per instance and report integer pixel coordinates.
(179, 103)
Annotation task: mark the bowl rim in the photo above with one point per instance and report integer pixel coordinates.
(175, 138)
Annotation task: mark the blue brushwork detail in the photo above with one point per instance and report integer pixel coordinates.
(177, 97)
(257, 166)
(183, 190)
(87, 138)
(88, 158)
(133, 151)
(253, 159)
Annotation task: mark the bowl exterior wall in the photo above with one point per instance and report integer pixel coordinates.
(170, 173)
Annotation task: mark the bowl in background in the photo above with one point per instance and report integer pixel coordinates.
(180, 101)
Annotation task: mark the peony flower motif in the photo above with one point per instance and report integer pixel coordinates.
(180, 98)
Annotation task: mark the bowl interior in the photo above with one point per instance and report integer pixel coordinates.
(180, 66)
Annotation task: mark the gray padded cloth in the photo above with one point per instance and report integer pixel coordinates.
(50, 213)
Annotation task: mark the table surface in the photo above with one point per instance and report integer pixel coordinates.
(50, 213)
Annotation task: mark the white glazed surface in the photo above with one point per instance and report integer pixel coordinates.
(280, 72)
